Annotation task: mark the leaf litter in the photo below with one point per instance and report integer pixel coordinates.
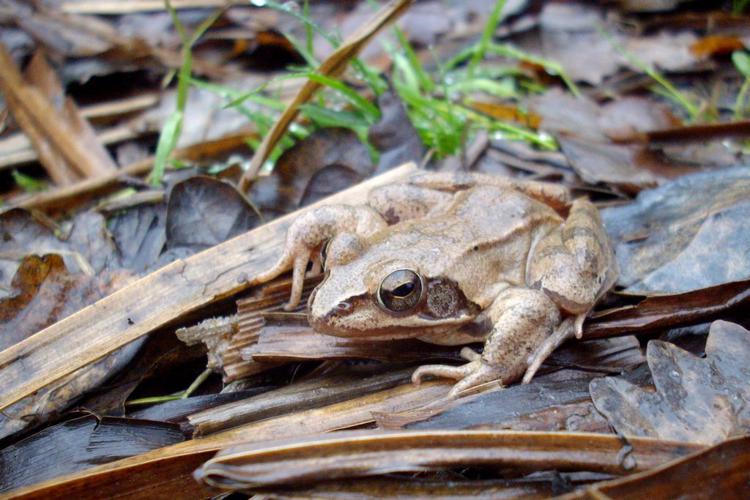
(639, 136)
(700, 400)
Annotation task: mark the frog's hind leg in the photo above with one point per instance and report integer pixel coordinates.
(574, 264)
(522, 320)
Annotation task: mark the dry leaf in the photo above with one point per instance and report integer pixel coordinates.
(696, 400)
(687, 234)
(78, 444)
(722, 471)
(327, 161)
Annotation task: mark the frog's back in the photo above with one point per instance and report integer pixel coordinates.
(494, 214)
(486, 237)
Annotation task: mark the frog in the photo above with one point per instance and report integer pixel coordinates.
(455, 258)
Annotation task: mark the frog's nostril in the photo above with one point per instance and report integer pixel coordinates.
(343, 306)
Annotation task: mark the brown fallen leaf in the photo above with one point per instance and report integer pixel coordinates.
(368, 453)
(78, 444)
(138, 230)
(45, 292)
(722, 471)
(203, 212)
(713, 45)
(587, 42)
(659, 312)
(696, 400)
(73, 36)
(327, 161)
(591, 137)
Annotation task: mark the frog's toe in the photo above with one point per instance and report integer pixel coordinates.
(481, 373)
(468, 376)
(440, 371)
(564, 331)
(470, 354)
(578, 326)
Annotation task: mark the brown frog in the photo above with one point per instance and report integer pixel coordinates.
(455, 258)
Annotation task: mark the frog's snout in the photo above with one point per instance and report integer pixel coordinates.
(327, 314)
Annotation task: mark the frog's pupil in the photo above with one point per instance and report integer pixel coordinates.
(403, 290)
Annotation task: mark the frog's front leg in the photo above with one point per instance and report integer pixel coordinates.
(522, 320)
(308, 233)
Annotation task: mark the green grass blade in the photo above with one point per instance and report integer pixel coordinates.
(741, 61)
(484, 41)
(670, 90)
(551, 67)
(368, 108)
(425, 82)
(504, 88)
(28, 183)
(327, 117)
(170, 134)
(332, 39)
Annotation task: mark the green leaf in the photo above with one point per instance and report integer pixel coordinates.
(417, 69)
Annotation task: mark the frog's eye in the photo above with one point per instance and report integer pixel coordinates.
(400, 290)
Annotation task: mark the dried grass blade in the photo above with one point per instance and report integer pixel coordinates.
(722, 471)
(49, 124)
(373, 453)
(167, 470)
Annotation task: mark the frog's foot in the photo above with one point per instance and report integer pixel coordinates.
(474, 373)
(569, 328)
(316, 265)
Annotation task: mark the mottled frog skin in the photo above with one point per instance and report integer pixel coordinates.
(455, 258)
